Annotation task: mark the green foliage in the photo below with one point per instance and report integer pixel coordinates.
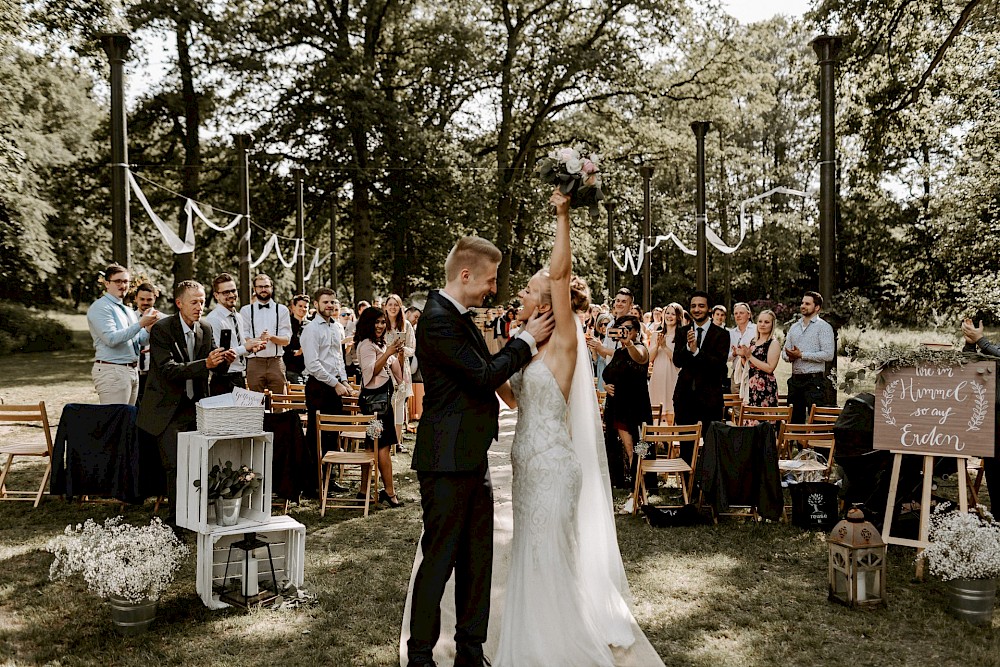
(22, 330)
(228, 482)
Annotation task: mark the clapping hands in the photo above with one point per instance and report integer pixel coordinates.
(971, 332)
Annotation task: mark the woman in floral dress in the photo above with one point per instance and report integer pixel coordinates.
(759, 387)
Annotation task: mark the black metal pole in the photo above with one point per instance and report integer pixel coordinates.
(647, 226)
(700, 129)
(610, 206)
(243, 143)
(300, 231)
(333, 244)
(827, 49)
(116, 47)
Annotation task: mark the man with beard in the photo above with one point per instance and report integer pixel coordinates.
(145, 297)
(271, 323)
(809, 345)
(225, 317)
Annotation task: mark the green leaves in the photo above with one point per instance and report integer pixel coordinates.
(229, 482)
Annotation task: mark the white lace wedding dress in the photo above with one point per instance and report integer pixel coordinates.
(561, 608)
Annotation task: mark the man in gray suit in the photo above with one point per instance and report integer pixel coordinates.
(181, 353)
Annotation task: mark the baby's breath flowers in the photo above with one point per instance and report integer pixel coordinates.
(964, 545)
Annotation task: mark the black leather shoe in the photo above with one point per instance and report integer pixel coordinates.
(337, 488)
(391, 501)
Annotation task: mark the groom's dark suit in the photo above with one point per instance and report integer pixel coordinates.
(698, 393)
(458, 424)
(166, 409)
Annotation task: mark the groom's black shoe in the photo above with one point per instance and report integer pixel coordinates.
(466, 656)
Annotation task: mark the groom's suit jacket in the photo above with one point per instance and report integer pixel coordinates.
(698, 393)
(460, 412)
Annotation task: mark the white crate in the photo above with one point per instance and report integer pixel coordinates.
(197, 453)
(287, 538)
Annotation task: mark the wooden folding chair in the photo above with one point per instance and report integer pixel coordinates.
(285, 402)
(294, 388)
(26, 414)
(806, 436)
(750, 413)
(820, 415)
(350, 404)
(657, 410)
(731, 407)
(666, 440)
(345, 426)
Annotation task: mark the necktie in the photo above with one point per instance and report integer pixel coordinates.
(236, 329)
(189, 387)
(700, 331)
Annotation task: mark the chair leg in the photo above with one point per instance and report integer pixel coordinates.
(3, 475)
(326, 485)
(639, 492)
(45, 481)
(368, 489)
(684, 489)
(156, 505)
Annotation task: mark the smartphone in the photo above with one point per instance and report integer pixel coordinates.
(615, 333)
(392, 337)
(226, 339)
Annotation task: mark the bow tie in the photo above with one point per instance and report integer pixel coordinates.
(263, 305)
(469, 315)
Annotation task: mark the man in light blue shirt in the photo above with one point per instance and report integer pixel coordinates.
(119, 334)
(809, 345)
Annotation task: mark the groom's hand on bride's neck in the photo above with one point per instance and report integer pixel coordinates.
(540, 326)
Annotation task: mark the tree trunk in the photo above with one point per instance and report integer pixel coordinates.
(184, 264)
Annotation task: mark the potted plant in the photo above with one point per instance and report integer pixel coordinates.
(964, 552)
(128, 565)
(227, 487)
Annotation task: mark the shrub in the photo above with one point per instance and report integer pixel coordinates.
(22, 330)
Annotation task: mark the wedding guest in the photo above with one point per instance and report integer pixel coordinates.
(756, 363)
(119, 335)
(810, 344)
(324, 362)
(719, 316)
(271, 323)
(628, 402)
(663, 378)
(145, 298)
(975, 341)
(600, 361)
(380, 363)
(399, 327)
(349, 321)
(416, 378)
(295, 365)
(225, 317)
(741, 334)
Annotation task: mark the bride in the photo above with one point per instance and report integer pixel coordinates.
(561, 608)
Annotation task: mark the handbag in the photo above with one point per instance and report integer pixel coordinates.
(375, 402)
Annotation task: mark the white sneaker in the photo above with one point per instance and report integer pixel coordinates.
(628, 507)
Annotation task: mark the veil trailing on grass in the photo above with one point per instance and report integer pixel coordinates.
(601, 568)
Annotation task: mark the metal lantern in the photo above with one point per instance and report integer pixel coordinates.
(857, 562)
(248, 593)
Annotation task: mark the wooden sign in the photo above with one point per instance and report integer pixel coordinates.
(937, 410)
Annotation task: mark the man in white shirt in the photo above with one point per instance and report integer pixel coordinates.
(271, 323)
(742, 334)
(321, 342)
(225, 317)
(145, 298)
(809, 346)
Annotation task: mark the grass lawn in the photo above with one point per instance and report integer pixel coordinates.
(734, 594)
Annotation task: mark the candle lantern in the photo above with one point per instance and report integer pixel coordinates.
(857, 562)
(248, 592)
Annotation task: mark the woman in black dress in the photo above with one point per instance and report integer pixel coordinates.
(628, 405)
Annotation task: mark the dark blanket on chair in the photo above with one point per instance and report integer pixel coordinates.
(739, 466)
(97, 452)
(294, 465)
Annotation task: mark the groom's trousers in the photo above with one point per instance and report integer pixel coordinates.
(458, 531)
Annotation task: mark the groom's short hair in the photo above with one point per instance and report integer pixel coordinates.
(471, 252)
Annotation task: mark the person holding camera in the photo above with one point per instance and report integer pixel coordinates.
(377, 360)
(398, 328)
(628, 405)
(229, 334)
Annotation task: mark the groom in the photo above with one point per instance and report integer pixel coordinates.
(457, 427)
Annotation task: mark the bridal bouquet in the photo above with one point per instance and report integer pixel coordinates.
(577, 174)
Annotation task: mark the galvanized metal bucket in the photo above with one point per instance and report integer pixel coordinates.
(227, 511)
(132, 618)
(972, 599)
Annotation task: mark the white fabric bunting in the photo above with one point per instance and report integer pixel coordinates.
(178, 246)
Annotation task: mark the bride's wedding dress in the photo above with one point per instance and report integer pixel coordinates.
(562, 608)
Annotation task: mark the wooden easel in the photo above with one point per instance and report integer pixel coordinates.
(922, 542)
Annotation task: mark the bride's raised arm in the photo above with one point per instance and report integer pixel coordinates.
(560, 272)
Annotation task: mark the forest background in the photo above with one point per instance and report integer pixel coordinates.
(418, 122)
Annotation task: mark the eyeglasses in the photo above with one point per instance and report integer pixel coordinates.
(120, 281)
(627, 328)
(228, 292)
(345, 314)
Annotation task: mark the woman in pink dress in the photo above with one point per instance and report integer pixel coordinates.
(663, 377)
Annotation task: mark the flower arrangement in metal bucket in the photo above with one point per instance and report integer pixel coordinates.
(963, 545)
(228, 482)
(577, 173)
(118, 559)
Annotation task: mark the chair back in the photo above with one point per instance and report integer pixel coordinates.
(773, 415)
(294, 388)
(670, 437)
(657, 410)
(821, 415)
(731, 406)
(29, 414)
(283, 402)
(807, 435)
